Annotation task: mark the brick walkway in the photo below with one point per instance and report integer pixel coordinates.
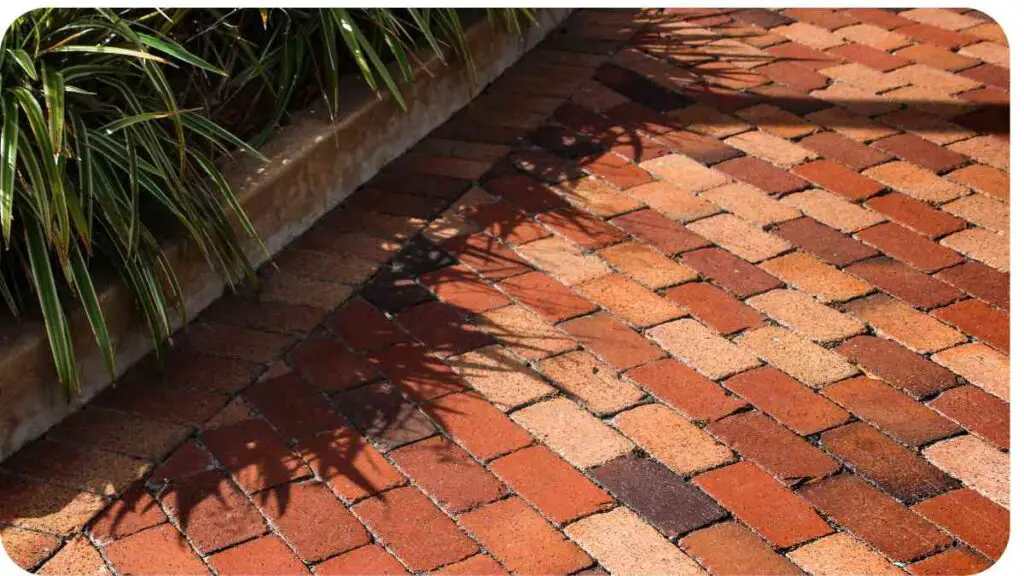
(704, 291)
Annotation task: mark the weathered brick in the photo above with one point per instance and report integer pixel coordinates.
(312, 520)
(980, 365)
(629, 300)
(704, 149)
(594, 383)
(78, 556)
(331, 366)
(912, 286)
(363, 327)
(658, 495)
(685, 390)
(982, 211)
(664, 234)
(890, 410)
(678, 203)
(597, 197)
(972, 518)
(487, 256)
(573, 433)
(810, 275)
(976, 464)
(646, 265)
(420, 534)
(740, 237)
(546, 296)
(564, 260)
(762, 503)
(159, 550)
(524, 192)
(879, 17)
(501, 377)
(384, 415)
(874, 517)
(833, 210)
(215, 514)
(778, 151)
(895, 469)
(841, 554)
(985, 179)
(522, 539)
(871, 57)
(687, 174)
(668, 437)
(896, 320)
(786, 400)
(977, 411)
(806, 316)
(810, 35)
(561, 493)
(854, 126)
(371, 559)
(824, 242)
(916, 215)
(729, 548)
(624, 544)
(762, 175)
(462, 289)
(782, 453)
(801, 55)
(751, 204)
(988, 247)
(915, 181)
(710, 354)
(979, 320)
(859, 73)
(909, 247)
(927, 126)
(895, 364)
(874, 36)
(95, 470)
(737, 276)
(577, 226)
(845, 151)
(802, 359)
(524, 332)
(839, 179)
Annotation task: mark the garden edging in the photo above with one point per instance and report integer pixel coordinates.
(314, 165)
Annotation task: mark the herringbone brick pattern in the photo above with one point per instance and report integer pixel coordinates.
(684, 291)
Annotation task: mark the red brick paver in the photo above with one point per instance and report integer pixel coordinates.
(685, 290)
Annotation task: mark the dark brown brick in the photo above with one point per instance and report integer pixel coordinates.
(331, 366)
(442, 328)
(779, 451)
(737, 276)
(891, 410)
(828, 244)
(384, 416)
(900, 472)
(418, 373)
(912, 286)
(703, 149)
(762, 175)
(658, 495)
(292, 406)
(876, 518)
(363, 327)
(898, 366)
(843, 150)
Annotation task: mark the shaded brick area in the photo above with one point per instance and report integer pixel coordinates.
(685, 291)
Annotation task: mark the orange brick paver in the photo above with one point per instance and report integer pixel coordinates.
(684, 291)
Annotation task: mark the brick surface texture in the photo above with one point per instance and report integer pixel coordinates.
(684, 291)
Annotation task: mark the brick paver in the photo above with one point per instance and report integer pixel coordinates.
(685, 290)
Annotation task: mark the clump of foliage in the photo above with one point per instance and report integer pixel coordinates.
(114, 123)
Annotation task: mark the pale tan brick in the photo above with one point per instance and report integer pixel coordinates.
(597, 197)
(702, 349)
(800, 358)
(684, 172)
(990, 150)
(834, 211)
(564, 260)
(898, 321)
(630, 300)
(947, 19)
(776, 120)
(706, 119)
(916, 181)
(841, 554)
(991, 52)
(874, 36)
(582, 375)
(980, 365)
(806, 316)
(809, 35)
(646, 265)
(671, 439)
(860, 76)
(524, 332)
(750, 203)
(976, 463)
(624, 544)
(778, 151)
(983, 245)
(740, 237)
(933, 79)
(982, 211)
(811, 275)
(672, 200)
(499, 376)
(573, 433)
(855, 126)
